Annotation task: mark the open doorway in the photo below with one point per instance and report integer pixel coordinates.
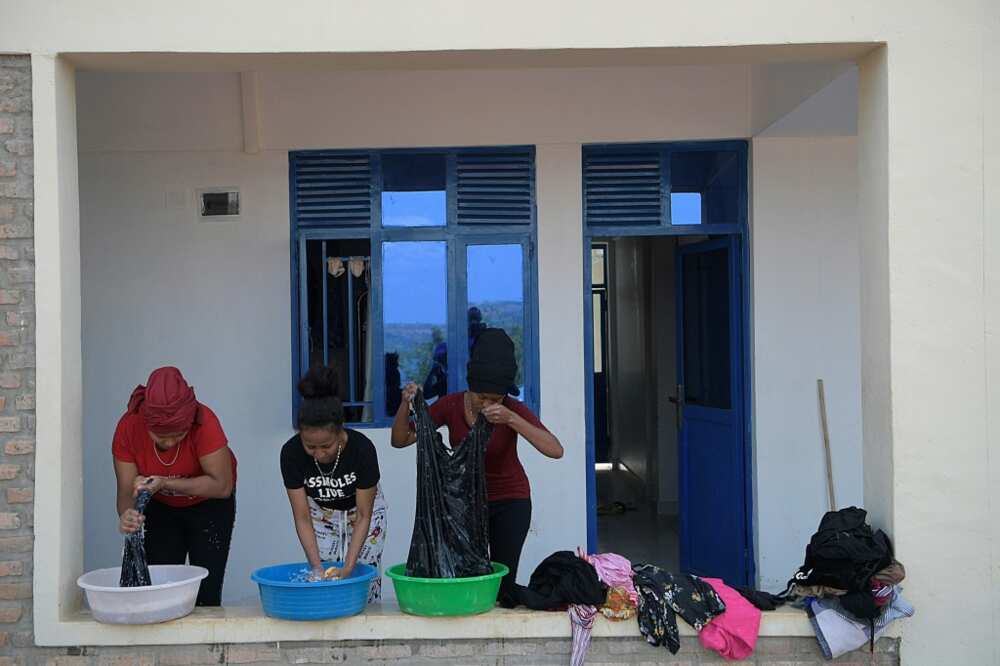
(668, 402)
(635, 428)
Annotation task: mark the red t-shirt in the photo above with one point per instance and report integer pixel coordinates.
(133, 444)
(505, 477)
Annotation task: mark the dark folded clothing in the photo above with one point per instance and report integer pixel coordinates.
(560, 580)
(761, 600)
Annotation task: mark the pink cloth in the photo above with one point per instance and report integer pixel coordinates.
(734, 633)
(614, 571)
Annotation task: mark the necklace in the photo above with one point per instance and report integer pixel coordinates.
(336, 462)
(470, 417)
(156, 453)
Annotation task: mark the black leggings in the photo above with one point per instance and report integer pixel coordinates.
(509, 523)
(200, 533)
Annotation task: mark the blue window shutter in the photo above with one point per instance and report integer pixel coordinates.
(332, 189)
(623, 187)
(495, 186)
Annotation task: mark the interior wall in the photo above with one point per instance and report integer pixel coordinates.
(664, 312)
(631, 373)
(806, 322)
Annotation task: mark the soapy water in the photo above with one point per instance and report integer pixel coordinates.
(305, 575)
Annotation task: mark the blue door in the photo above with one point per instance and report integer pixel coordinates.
(714, 538)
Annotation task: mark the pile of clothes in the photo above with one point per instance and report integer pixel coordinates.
(609, 585)
(849, 584)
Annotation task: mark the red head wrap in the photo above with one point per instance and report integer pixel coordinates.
(167, 404)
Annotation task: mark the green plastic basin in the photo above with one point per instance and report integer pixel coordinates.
(446, 596)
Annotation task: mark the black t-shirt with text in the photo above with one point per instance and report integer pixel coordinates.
(331, 489)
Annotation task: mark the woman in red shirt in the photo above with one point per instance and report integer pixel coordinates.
(491, 372)
(173, 446)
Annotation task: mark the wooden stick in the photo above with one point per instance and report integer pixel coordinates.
(826, 444)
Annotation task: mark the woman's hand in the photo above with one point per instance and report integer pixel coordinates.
(409, 391)
(338, 573)
(130, 521)
(151, 484)
(317, 573)
(499, 415)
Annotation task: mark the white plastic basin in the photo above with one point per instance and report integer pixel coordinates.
(172, 594)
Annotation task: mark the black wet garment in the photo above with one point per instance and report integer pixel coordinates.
(560, 580)
(451, 527)
(662, 594)
(135, 571)
(761, 600)
(845, 552)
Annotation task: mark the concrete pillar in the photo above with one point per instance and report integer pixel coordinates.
(58, 475)
(923, 321)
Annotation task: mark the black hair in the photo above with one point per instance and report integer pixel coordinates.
(320, 406)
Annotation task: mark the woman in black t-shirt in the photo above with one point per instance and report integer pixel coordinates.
(331, 475)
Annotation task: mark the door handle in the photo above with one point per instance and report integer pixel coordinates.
(678, 402)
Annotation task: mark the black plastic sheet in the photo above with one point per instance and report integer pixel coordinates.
(451, 528)
(135, 571)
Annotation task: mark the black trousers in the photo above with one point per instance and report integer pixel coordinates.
(509, 523)
(199, 535)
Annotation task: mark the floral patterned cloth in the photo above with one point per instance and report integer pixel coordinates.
(662, 594)
(333, 536)
(618, 605)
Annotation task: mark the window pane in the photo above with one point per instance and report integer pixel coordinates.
(414, 190)
(414, 209)
(598, 333)
(338, 279)
(706, 329)
(496, 296)
(685, 208)
(415, 307)
(597, 265)
(705, 187)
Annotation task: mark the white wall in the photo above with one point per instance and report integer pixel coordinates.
(153, 277)
(806, 321)
(161, 288)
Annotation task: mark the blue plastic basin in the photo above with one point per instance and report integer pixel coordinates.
(287, 600)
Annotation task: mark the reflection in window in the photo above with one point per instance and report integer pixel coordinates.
(415, 307)
(414, 190)
(685, 208)
(705, 187)
(414, 209)
(338, 280)
(496, 296)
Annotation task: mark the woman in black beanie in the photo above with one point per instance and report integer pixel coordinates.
(491, 372)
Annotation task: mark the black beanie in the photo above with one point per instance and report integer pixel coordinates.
(492, 367)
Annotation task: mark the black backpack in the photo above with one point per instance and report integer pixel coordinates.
(845, 552)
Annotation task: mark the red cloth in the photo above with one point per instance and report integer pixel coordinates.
(733, 634)
(133, 444)
(166, 403)
(505, 477)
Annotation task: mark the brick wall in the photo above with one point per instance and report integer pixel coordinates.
(17, 447)
(17, 353)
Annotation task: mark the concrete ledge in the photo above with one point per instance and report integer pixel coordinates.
(382, 623)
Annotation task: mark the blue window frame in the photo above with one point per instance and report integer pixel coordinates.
(399, 256)
(678, 188)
